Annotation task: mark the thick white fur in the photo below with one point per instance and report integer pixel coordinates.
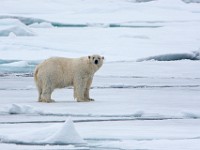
(60, 72)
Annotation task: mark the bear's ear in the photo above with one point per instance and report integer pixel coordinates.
(89, 57)
(102, 57)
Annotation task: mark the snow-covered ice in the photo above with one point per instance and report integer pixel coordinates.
(146, 94)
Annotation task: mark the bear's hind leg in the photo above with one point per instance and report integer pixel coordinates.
(39, 93)
(46, 95)
(39, 88)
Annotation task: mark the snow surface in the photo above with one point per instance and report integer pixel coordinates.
(144, 99)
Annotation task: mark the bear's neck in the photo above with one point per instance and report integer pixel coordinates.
(93, 68)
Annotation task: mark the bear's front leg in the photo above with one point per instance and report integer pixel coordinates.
(79, 89)
(87, 90)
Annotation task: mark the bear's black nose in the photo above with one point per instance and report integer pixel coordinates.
(96, 62)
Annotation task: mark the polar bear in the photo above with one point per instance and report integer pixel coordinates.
(60, 72)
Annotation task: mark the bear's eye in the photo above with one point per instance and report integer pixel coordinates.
(99, 58)
(93, 58)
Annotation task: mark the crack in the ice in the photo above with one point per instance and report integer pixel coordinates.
(97, 120)
(116, 87)
(144, 86)
(29, 21)
(39, 143)
(146, 77)
(28, 74)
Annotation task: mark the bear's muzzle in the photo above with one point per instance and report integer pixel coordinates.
(96, 62)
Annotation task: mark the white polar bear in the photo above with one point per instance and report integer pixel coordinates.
(60, 72)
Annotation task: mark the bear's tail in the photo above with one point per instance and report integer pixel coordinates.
(36, 74)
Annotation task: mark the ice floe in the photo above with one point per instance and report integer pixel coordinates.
(22, 109)
(139, 105)
(66, 134)
(17, 66)
(14, 27)
(171, 57)
(191, 1)
(54, 134)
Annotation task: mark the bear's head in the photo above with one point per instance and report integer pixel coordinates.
(96, 60)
